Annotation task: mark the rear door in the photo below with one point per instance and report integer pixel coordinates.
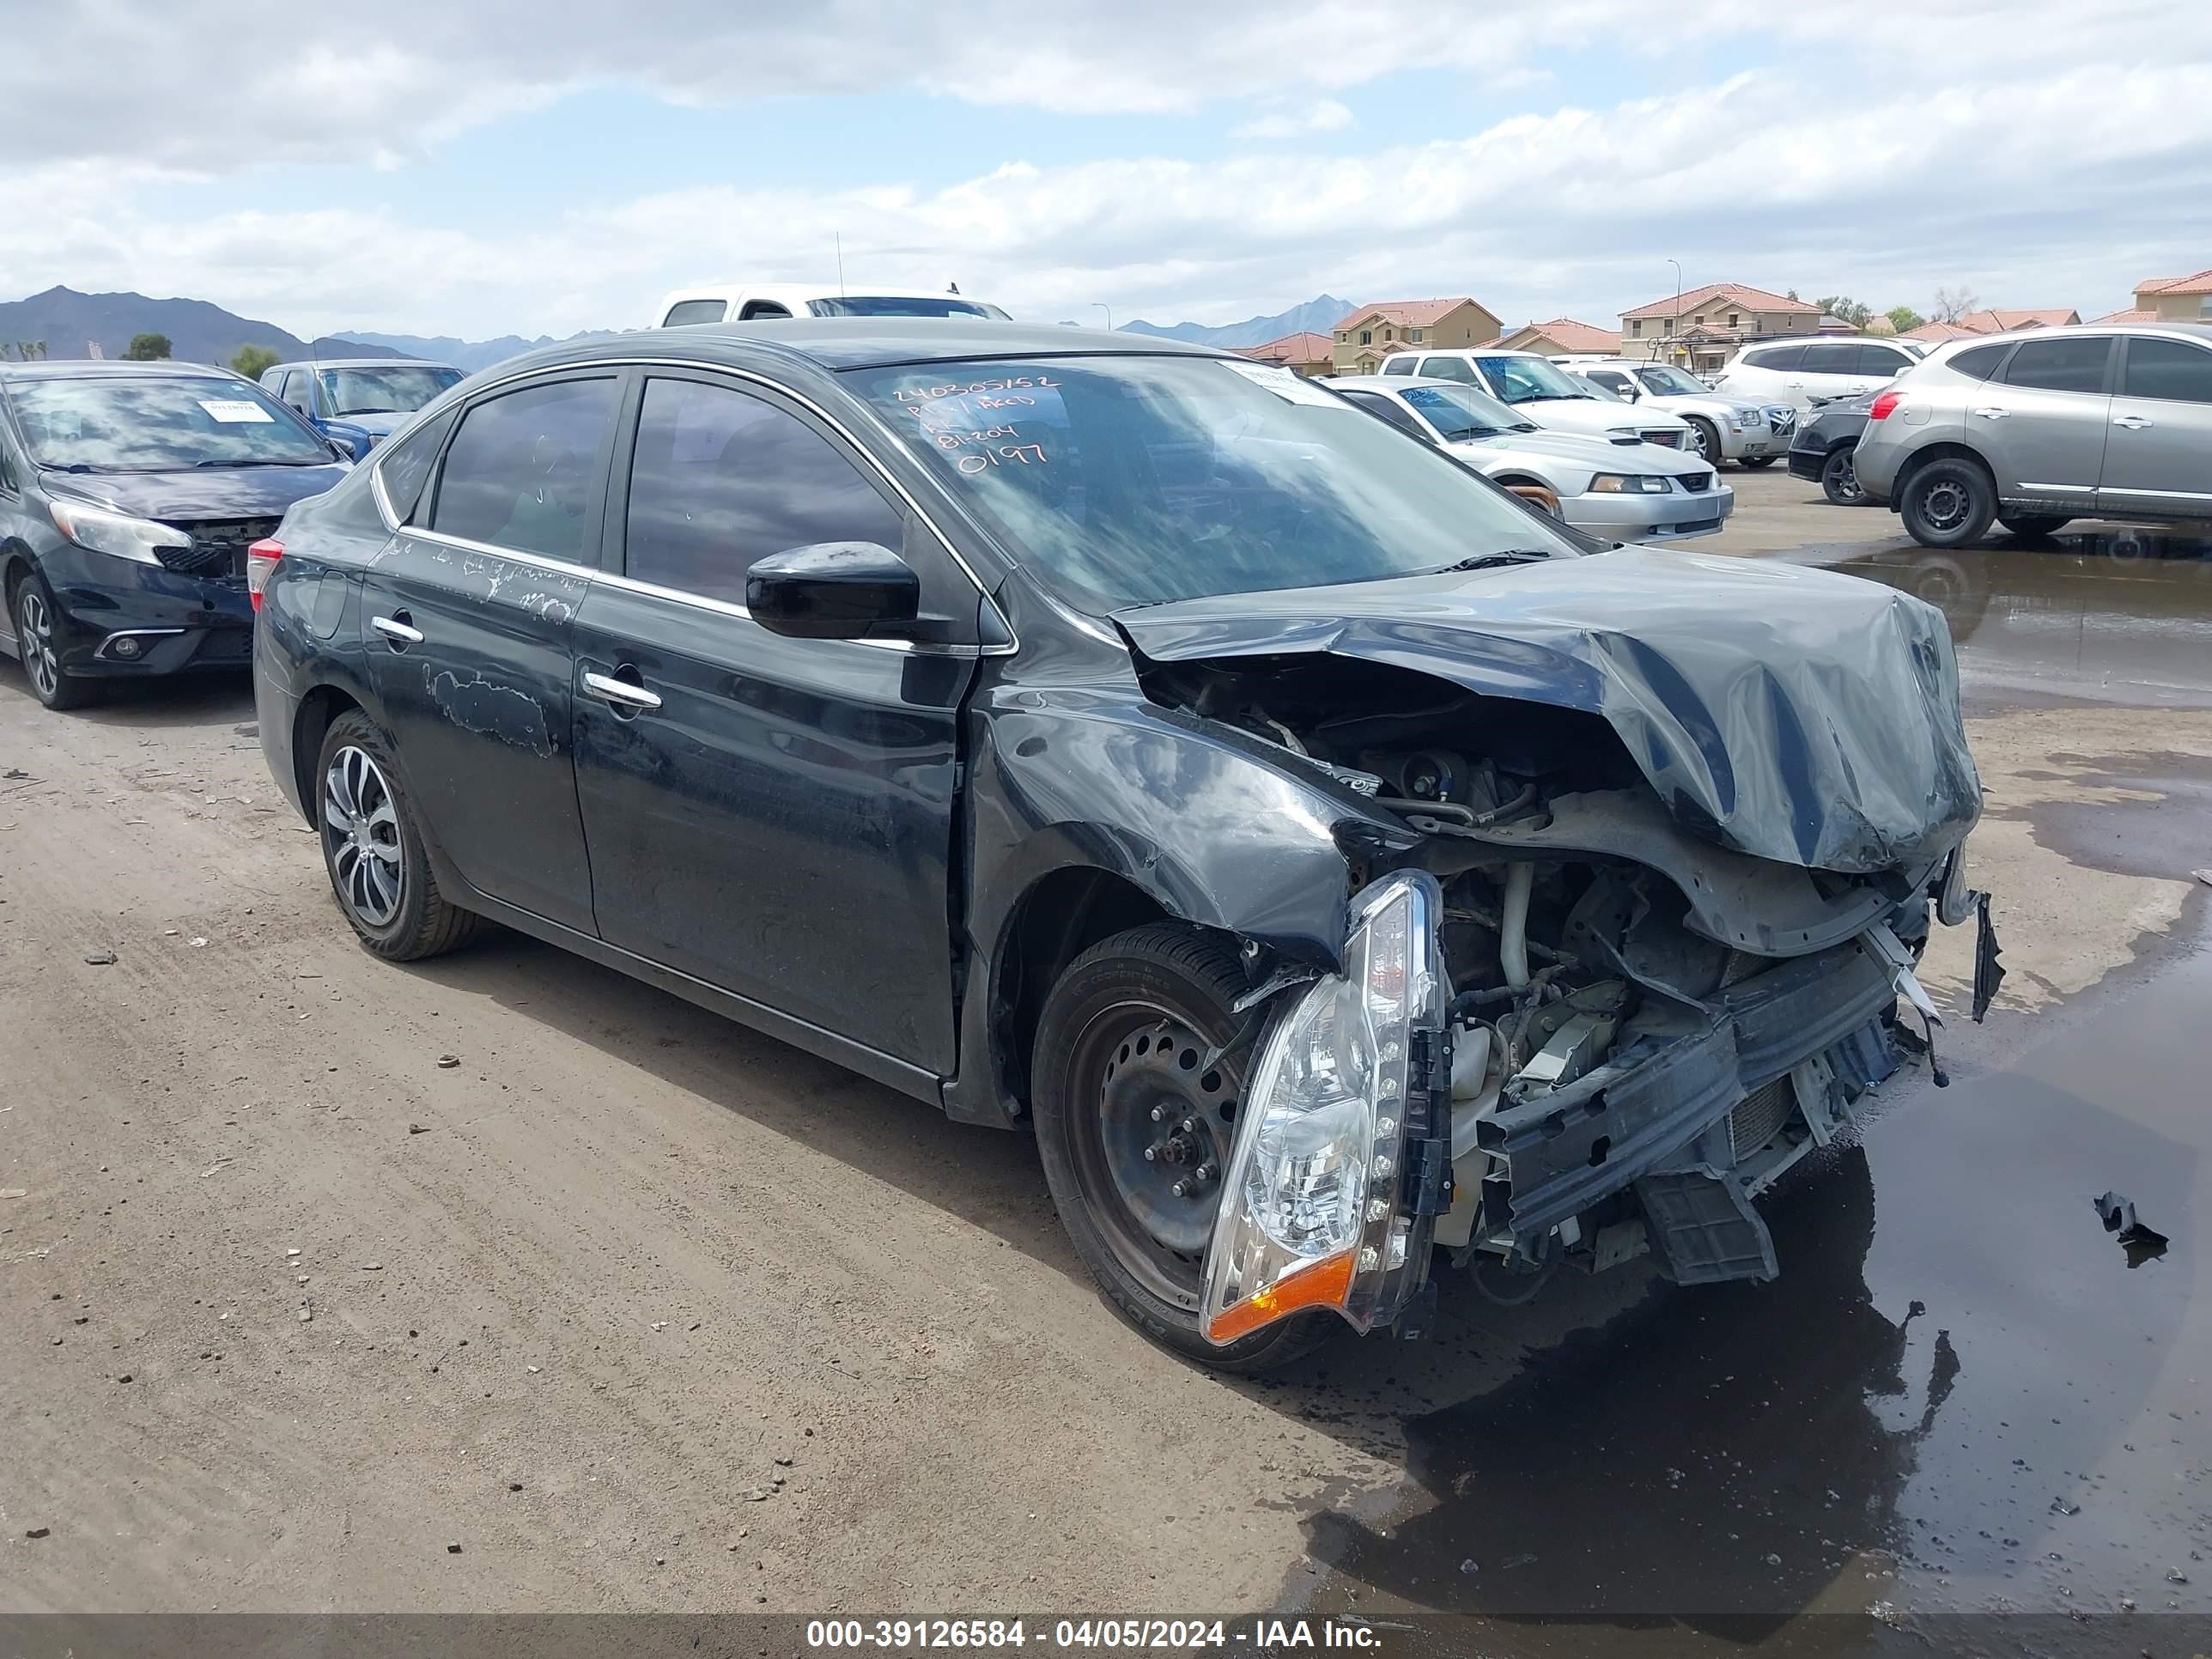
(2042, 426)
(469, 615)
(2158, 447)
(1830, 369)
(770, 815)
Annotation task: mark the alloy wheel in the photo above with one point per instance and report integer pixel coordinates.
(361, 836)
(34, 631)
(1702, 440)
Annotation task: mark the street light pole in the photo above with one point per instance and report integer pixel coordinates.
(1676, 330)
(1109, 310)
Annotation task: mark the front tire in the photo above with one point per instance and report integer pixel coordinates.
(1839, 479)
(1948, 502)
(2032, 527)
(1117, 1070)
(40, 633)
(372, 849)
(1706, 439)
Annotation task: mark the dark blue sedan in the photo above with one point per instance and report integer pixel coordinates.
(359, 401)
(130, 493)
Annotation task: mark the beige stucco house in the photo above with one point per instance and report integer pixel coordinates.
(1372, 332)
(1702, 328)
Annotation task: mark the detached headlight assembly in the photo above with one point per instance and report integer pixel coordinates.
(1342, 1157)
(99, 530)
(1629, 483)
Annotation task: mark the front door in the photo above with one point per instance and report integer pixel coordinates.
(470, 619)
(772, 816)
(2158, 445)
(2042, 428)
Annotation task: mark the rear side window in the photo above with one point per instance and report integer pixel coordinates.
(404, 467)
(1451, 368)
(1978, 362)
(720, 477)
(1832, 358)
(2170, 369)
(1881, 360)
(1610, 380)
(2060, 365)
(525, 468)
(694, 311)
(756, 309)
(1399, 363)
(1784, 357)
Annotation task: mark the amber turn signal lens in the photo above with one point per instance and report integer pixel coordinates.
(1323, 1285)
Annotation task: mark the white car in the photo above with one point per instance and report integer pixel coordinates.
(1804, 373)
(1724, 428)
(1542, 392)
(747, 302)
(1620, 489)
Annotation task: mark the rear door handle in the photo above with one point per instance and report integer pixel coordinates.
(621, 693)
(2133, 422)
(1990, 411)
(396, 629)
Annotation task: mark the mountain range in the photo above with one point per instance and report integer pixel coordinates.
(1314, 317)
(70, 324)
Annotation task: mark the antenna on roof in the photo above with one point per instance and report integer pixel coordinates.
(839, 238)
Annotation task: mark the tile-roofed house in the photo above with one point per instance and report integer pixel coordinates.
(1306, 354)
(1936, 333)
(2133, 314)
(1450, 323)
(2177, 298)
(1563, 336)
(1995, 321)
(1704, 326)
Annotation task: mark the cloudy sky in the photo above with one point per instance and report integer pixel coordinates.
(487, 166)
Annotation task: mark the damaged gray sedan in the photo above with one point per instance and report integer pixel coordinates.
(1347, 872)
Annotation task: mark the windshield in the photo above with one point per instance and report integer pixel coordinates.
(1670, 382)
(1460, 412)
(159, 424)
(864, 305)
(1135, 480)
(1532, 379)
(398, 390)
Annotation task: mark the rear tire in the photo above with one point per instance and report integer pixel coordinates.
(41, 634)
(1756, 463)
(1948, 502)
(1839, 479)
(372, 849)
(2031, 527)
(1099, 1071)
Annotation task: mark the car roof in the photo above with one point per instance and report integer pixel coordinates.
(358, 362)
(93, 369)
(1393, 382)
(810, 291)
(845, 343)
(2199, 333)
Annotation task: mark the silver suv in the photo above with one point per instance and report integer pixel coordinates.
(2036, 427)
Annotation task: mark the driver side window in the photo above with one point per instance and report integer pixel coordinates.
(524, 469)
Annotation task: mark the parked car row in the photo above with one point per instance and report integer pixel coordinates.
(1722, 428)
(2028, 430)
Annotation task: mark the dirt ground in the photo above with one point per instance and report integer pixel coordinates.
(504, 1283)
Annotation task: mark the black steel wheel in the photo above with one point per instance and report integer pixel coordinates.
(1839, 479)
(1135, 1129)
(372, 849)
(1948, 502)
(40, 635)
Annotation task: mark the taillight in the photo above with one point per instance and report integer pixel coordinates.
(260, 565)
(1883, 405)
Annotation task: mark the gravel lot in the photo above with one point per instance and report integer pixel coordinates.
(313, 1268)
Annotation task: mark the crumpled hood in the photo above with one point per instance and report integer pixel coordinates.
(187, 497)
(1791, 714)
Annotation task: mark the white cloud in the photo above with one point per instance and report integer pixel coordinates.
(1326, 116)
(2044, 168)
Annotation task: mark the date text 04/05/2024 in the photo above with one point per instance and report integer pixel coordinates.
(1133, 1635)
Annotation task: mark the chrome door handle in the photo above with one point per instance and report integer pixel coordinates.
(395, 630)
(607, 689)
(1990, 412)
(2133, 422)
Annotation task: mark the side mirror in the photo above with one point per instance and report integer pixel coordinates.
(833, 591)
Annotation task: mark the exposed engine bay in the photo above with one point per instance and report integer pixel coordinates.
(1647, 1028)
